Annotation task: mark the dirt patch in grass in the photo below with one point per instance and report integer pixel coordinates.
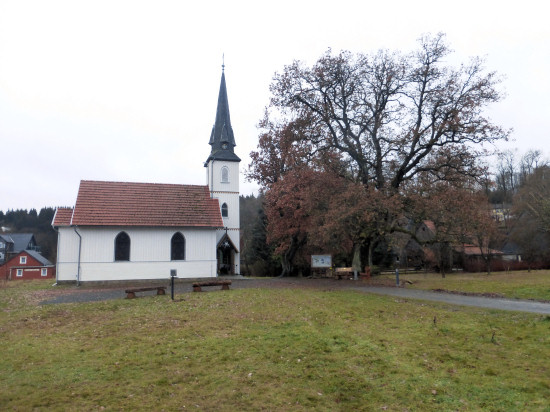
(40, 296)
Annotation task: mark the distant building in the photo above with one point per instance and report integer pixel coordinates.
(27, 264)
(13, 243)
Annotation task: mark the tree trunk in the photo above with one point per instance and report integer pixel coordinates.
(371, 249)
(356, 262)
(440, 260)
(451, 258)
(288, 256)
(286, 263)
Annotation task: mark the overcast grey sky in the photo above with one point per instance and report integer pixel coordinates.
(127, 90)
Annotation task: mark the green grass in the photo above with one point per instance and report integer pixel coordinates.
(259, 349)
(514, 285)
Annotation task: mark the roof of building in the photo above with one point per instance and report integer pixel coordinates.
(141, 204)
(511, 248)
(222, 138)
(474, 250)
(20, 241)
(430, 225)
(39, 257)
(6, 238)
(63, 216)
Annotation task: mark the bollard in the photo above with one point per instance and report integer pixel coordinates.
(173, 274)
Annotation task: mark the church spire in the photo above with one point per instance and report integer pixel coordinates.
(222, 139)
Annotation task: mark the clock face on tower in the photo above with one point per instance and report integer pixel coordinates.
(224, 146)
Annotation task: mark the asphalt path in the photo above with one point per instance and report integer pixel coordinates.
(461, 300)
(86, 294)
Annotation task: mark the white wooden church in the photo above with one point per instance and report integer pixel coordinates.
(139, 231)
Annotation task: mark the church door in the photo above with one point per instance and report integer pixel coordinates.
(226, 257)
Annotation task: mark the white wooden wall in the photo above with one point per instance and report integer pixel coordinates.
(214, 176)
(149, 254)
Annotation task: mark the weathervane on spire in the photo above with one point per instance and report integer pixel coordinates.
(223, 62)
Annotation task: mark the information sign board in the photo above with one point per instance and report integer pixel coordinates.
(321, 261)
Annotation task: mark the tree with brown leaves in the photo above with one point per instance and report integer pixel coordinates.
(380, 121)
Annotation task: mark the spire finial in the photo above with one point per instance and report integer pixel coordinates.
(223, 62)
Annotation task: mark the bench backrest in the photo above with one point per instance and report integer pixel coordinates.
(344, 269)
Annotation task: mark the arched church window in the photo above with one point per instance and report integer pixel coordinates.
(225, 211)
(225, 175)
(122, 247)
(177, 247)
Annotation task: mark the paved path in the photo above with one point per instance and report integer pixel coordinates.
(455, 299)
(86, 295)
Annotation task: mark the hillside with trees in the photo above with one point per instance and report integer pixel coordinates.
(521, 194)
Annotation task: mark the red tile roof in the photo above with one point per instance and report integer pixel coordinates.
(63, 216)
(430, 225)
(473, 250)
(145, 204)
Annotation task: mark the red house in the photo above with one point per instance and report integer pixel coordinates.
(27, 264)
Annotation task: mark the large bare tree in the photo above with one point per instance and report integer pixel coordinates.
(389, 119)
(394, 116)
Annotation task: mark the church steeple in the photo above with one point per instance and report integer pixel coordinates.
(222, 178)
(222, 139)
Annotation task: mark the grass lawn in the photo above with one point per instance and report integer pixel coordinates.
(514, 285)
(268, 349)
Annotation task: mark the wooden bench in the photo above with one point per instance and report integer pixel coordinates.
(197, 286)
(131, 293)
(340, 273)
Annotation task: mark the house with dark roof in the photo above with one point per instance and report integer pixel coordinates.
(27, 264)
(13, 243)
(140, 231)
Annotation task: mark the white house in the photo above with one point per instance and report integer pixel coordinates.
(139, 231)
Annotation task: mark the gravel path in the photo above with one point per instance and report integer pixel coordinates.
(93, 294)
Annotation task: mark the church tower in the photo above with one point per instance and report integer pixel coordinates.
(222, 176)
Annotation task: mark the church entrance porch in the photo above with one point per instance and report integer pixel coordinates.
(226, 256)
